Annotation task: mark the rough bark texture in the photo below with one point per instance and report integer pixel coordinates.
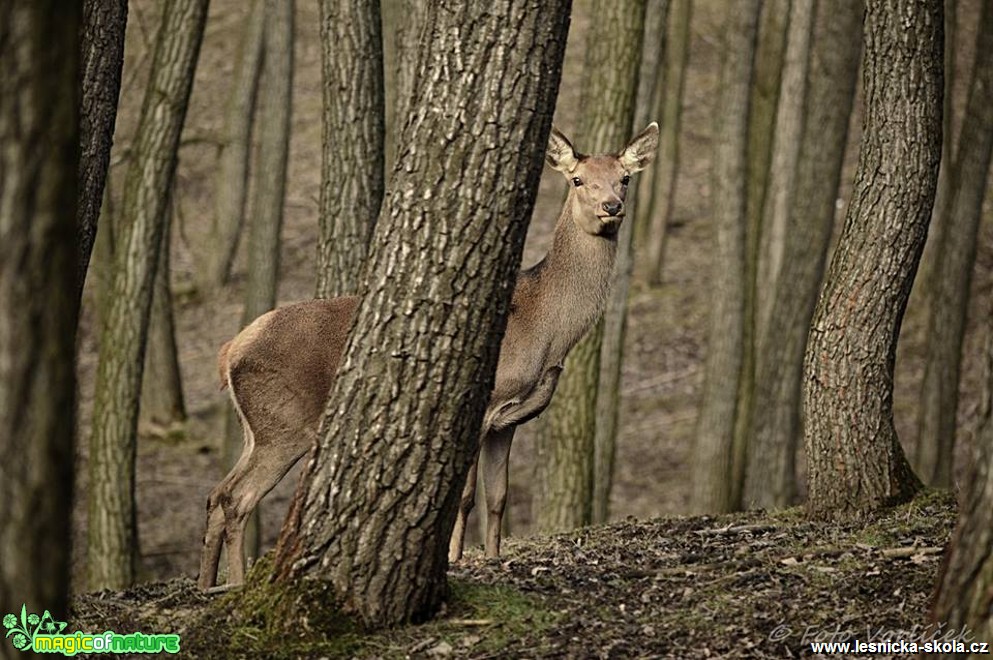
(834, 61)
(964, 595)
(380, 492)
(669, 107)
(111, 529)
(854, 459)
(712, 487)
(656, 14)
(39, 131)
(102, 57)
(402, 22)
(567, 443)
(231, 189)
(162, 407)
(354, 136)
(951, 276)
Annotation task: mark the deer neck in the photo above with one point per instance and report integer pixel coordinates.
(575, 281)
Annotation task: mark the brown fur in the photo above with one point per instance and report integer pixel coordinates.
(281, 367)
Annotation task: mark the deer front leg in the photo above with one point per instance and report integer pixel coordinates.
(495, 455)
(465, 507)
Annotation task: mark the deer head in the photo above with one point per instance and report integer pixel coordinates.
(599, 184)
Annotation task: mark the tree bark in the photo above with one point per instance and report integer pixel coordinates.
(669, 106)
(774, 28)
(231, 189)
(615, 316)
(265, 225)
(354, 134)
(854, 459)
(567, 445)
(402, 23)
(39, 130)
(112, 532)
(377, 505)
(102, 57)
(951, 276)
(834, 61)
(766, 244)
(712, 490)
(964, 594)
(162, 410)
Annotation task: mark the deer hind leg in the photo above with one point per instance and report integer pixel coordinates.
(276, 451)
(465, 508)
(495, 455)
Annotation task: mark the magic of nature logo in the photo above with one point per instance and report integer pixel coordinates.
(43, 634)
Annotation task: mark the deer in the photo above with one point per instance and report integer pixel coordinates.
(279, 369)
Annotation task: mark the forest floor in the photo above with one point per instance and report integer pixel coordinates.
(751, 585)
(676, 587)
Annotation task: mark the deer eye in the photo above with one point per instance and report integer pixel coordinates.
(576, 181)
(625, 180)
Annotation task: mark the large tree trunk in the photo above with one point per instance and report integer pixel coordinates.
(162, 411)
(854, 459)
(567, 442)
(834, 61)
(402, 23)
(964, 595)
(231, 183)
(112, 531)
(668, 103)
(102, 57)
(951, 276)
(269, 186)
(656, 14)
(712, 487)
(354, 136)
(39, 130)
(378, 501)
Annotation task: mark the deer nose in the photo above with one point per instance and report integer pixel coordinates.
(612, 208)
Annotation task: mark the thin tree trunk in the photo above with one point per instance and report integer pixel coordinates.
(920, 296)
(964, 594)
(669, 106)
(567, 442)
(834, 61)
(383, 550)
(766, 244)
(774, 22)
(162, 411)
(955, 257)
(266, 216)
(352, 178)
(854, 459)
(712, 488)
(231, 183)
(40, 133)
(112, 530)
(615, 316)
(102, 57)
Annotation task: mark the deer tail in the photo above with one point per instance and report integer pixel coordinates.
(222, 364)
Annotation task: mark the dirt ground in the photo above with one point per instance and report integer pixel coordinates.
(743, 586)
(662, 377)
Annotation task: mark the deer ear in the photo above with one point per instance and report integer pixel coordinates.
(560, 154)
(637, 155)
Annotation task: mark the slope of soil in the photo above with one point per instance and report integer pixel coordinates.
(744, 586)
